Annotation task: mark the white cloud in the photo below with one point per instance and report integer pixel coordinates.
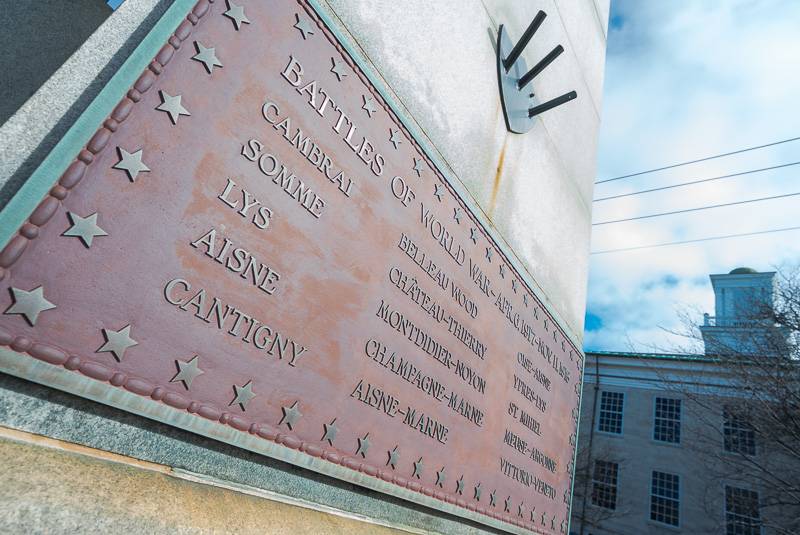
(686, 80)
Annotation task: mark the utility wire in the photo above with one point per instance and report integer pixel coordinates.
(695, 240)
(735, 203)
(694, 182)
(698, 160)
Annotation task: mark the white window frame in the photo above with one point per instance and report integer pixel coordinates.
(621, 414)
(615, 485)
(678, 508)
(740, 429)
(725, 487)
(680, 421)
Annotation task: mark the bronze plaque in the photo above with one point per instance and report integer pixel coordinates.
(253, 239)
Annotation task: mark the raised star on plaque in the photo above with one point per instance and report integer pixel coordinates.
(473, 235)
(330, 431)
(117, 342)
(553, 522)
(394, 138)
(520, 508)
(338, 69)
(418, 168)
(457, 214)
(514, 285)
(29, 303)
(563, 527)
(476, 492)
(489, 254)
(236, 14)
(207, 56)
(172, 106)
(440, 477)
(493, 498)
(438, 191)
(533, 514)
(503, 270)
(84, 228)
(507, 505)
(394, 456)
(187, 372)
(460, 484)
(131, 163)
(544, 515)
(291, 415)
(369, 105)
(304, 26)
(243, 395)
(363, 446)
(418, 468)
(525, 299)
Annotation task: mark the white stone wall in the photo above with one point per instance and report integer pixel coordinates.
(438, 57)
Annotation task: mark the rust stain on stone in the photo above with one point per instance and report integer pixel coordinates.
(497, 176)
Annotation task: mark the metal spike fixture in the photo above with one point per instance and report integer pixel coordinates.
(520, 104)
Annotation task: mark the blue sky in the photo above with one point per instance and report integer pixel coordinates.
(688, 79)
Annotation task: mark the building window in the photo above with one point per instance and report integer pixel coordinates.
(739, 435)
(611, 412)
(604, 484)
(667, 423)
(742, 516)
(665, 498)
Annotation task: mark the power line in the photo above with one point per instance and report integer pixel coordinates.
(694, 182)
(695, 240)
(685, 210)
(698, 160)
